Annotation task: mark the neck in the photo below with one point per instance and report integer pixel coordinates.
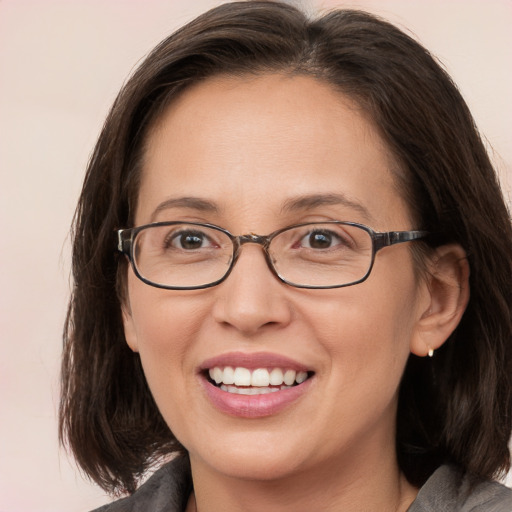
(354, 487)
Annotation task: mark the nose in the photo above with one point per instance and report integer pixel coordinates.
(252, 299)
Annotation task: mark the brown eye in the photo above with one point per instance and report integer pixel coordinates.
(321, 239)
(189, 240)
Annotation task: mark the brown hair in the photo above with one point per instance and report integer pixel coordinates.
(454, 408)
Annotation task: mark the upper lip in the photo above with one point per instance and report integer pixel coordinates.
(253, 361)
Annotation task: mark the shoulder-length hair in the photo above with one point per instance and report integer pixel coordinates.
(454, 408)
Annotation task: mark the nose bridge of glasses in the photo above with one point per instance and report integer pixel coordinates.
(251, 238)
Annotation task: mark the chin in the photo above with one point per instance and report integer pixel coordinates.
(253, 456)
(259, 468)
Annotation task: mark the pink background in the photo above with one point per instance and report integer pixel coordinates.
(61, 64)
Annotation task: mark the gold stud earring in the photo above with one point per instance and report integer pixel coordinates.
(430, 352)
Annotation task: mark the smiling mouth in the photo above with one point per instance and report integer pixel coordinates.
(260, 381)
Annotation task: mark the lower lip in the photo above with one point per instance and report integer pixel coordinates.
(254, 406)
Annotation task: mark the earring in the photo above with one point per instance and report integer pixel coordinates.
(430, 352)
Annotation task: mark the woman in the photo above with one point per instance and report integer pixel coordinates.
(295, 375)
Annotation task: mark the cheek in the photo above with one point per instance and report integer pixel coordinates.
(165, 326)
(366, 331)
(167, 332)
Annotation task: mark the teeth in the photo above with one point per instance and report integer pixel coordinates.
(242, 377)
(289, 377)
(217, 375)
(301, 377)
(258, 378)
(276, 377)
(251, 391)
(228, 377)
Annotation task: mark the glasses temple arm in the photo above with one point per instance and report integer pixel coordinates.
(396, 237)
(124, 240)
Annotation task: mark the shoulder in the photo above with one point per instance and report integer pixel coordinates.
(449, 490)
(167, 490)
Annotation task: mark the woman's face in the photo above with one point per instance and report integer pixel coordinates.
(253, 155)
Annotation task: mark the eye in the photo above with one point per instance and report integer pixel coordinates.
(188, 240)
(321, 239)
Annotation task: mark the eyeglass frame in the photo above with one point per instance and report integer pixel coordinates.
(380, 239)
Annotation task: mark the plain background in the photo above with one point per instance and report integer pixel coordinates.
(61, 65)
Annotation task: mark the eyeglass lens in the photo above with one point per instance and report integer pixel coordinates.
(193, 255)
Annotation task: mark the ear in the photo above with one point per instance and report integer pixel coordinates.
(129, 326)
(447, 294)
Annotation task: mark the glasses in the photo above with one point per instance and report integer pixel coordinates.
(190, 256)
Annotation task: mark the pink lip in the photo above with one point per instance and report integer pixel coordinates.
(252, 406)
(253, 361)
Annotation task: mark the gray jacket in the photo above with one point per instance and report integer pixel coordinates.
(447, 490)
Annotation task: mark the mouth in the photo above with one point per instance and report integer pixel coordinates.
(254, 385)
(259, 381)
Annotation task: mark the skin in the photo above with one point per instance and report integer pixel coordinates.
(250, 146)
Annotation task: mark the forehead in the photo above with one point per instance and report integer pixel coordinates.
(259, 142)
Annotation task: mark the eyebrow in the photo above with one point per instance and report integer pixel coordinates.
(192, 203)
(306, 202)
(312, 201)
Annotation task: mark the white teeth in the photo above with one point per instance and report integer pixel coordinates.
(217, 375)
(301, 377)
(276, 377)
(229, 375)
(242, 377)
(258, 378)
(289, 377)
(251, 391)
